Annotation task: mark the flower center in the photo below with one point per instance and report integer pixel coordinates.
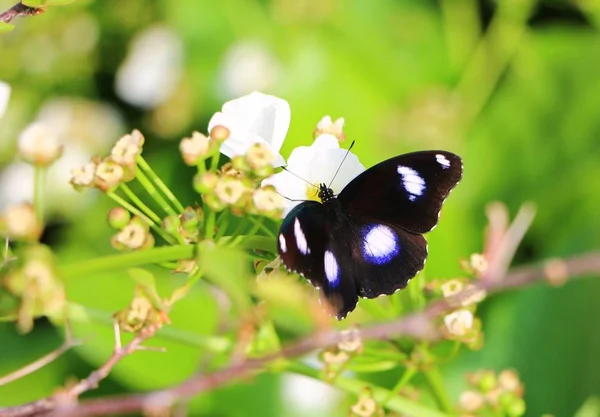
(312, 193)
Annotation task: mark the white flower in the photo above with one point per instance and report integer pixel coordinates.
(153, 67)
(316, 164)
(458, 323)
(255, 118)
(39, 145)
(4, 96)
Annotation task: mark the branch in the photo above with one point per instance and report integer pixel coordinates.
(500, 247)
(44, 360)
(419, 325)
(68, 397)
(20, 9)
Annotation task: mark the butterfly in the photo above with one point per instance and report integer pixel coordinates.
(368, 240)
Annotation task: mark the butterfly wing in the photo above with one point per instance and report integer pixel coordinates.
(406, 191)
(384, 256)
(305, 246)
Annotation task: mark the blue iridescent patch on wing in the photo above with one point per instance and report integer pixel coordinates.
(380, 244)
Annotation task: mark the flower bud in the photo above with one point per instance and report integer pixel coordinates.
(133, 236)
(109, 174)
(206, 183)
(471, 401)
(219, 133)
(458, 323)
(230, 190)
(126, 150)
(194, 149)
(171, 224)
(118, 217)
(20, 222)
(327, 126)
(38, 145)
(83, 177)
(259, 156)
(268, 202)
(452, 287)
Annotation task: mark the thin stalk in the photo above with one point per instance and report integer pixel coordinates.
(167, 237)
(153, 192)
(211, 219)
(138, 202)
(159, 183)
(38, 192)
(434, 380)
(408, 374)
(126, 260)
(262, 227)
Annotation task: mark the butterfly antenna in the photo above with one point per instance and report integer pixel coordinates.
(298, 176)
(341, 163)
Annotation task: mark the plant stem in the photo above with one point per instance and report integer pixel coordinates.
(167, 237)
(211, 219)
(159, 183)
(138, 202)
(153, 192)
(404, 379)
(433, 377)
(126, 260)
(38, 192)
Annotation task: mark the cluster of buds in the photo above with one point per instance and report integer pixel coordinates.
(237, 185)
(366, 406)
(337, 357)
(186, 225)
(141, 316)
(37, 290)
(328, 127)
(198, 147)
(476, 266)
(499, 393)
(133, 232)
(109, 172)
(19, 222)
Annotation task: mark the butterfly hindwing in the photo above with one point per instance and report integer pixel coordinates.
(384, 257)
(405, 191)
(305, 246)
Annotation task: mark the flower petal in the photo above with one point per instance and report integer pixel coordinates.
(4, 96)
(254, 118)
(315, 164)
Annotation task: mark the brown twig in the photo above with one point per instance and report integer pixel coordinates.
(44, 360)
(415, 325)
(68, 397)
(421, 325)
(20, 9)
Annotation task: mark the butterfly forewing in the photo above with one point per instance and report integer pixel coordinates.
(305, 246)
(406, 191)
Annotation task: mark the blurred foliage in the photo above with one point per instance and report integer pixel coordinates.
(510, 86)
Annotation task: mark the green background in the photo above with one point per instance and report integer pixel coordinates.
(513, 87)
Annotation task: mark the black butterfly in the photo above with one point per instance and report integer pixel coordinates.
(368, 240)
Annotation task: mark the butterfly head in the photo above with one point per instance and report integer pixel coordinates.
(325, 193)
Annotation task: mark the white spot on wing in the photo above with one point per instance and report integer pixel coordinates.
(442, 160)
(380, 244)
(412, 181)
(282, 243)
(300, 238)
(332, 269)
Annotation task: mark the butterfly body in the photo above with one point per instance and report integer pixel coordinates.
(368, 240)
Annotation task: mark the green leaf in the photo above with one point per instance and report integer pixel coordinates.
(145, 280)
(6, 27)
